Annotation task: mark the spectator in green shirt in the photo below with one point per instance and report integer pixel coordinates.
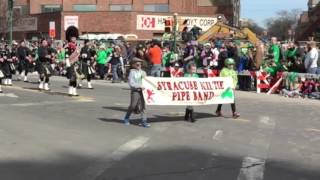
(102, 57)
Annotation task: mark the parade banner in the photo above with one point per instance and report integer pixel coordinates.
(188, 91)
(157, 23)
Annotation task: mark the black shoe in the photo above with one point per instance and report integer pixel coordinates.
(187, 114)
(191, 117)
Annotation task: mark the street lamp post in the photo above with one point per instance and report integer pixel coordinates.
(10, 8)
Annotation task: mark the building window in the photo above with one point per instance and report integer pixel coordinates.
(214, 2)
(50, 8)
(121, 7)
(85, 7)
(21, 10)
(156, 7)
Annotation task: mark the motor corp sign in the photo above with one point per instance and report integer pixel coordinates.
(71, 21)
(157, 23)
(146, 22)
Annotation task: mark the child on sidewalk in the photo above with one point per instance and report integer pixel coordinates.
(228, 71)
(137, 102)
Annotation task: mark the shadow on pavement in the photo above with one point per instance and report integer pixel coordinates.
(154, 118)
(176, 163)
(121, 109)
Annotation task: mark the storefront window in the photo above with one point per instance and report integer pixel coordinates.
(156, 7)
(121, 7)
(85, 7)
(50, 8)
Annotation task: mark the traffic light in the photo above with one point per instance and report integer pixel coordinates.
(168, 24)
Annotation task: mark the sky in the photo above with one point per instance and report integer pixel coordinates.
(259, 10)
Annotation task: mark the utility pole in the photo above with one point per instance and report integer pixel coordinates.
(175, 22)
(10, 26)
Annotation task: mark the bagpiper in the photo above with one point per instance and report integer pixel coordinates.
(24, 60)
(44, 67)
(86, 61)
(73, 70)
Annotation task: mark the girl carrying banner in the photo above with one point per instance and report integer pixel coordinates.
(137, 103)
(191, 69)
(228, 71)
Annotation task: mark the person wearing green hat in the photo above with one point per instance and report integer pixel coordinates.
(274, 52)
(228, 71)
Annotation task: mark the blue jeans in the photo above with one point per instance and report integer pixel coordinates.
(312, 70)
(115, 72)
(156, 70)
(318, 70)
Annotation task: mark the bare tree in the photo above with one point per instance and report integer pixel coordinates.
(3, 17)
(254, 27)
(280, 25)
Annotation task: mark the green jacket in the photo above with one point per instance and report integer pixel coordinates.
(195, 75)
(291, 53)
(102, 55)
(61, 55)
(275, 51)
(226, 72)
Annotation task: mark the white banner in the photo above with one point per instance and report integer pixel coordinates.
(71, 21)
(188, 91)
(156, 23)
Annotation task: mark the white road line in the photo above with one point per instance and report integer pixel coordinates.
(218, 135)
(129, 147)
(94, 171)
(253, 165)
(44, 103)
(8, 95)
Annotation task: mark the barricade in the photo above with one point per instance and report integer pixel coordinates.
(264, 81)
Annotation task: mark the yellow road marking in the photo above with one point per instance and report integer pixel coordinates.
(175, 113)
(312, 130)
(242, 120)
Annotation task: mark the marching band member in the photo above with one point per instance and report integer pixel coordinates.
(85, 63)
(73, 68)
(9, 67)
(191, 72)
(25, 60)
(2, 56)
(44, 66)
(137, 102)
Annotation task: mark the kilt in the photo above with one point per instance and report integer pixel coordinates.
(44, 69)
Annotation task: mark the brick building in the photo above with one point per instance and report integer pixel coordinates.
(141, 17)
(309, 24)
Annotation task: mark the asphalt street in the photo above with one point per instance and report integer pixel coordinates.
(51, 136)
